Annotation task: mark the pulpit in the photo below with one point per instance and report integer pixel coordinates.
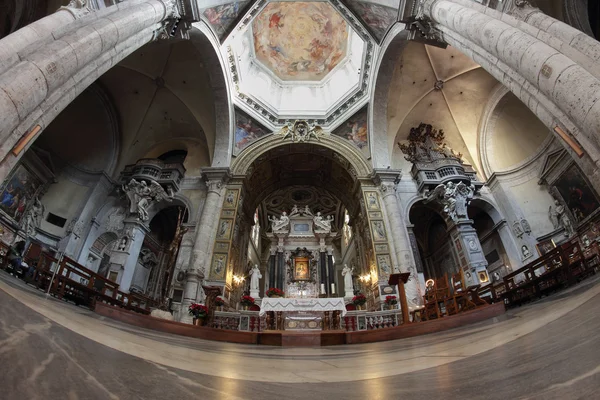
(400, 280)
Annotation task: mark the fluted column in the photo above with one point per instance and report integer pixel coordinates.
(41, 75)
(559, 90)
(401, 243)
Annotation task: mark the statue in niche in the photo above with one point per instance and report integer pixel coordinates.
(321, 223)
(141, 196)
(33, 217)
(525, 251)
(348, 284)
(280, 224)
(123, 244)
(517, 229)
(255, 276)
(453, 197)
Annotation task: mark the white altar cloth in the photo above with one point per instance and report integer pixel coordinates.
(318, 305)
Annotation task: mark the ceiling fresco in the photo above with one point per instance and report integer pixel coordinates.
(300, 41)
(247, 130)
(222, 18)
(355, 129)
(376, 17)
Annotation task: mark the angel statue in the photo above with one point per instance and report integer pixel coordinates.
(281, 223)
(141, 196)
(34, 216)
(322, 223)
(453, 197)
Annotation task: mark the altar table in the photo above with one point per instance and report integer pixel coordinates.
(303, 305)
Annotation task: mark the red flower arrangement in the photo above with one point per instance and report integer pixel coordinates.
(247, 301)
(359, 299)
(198, 310)
(391, 300)
(273, 292)
(219, 302)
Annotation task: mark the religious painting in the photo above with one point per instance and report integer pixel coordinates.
(228, 213)
(230, 200)
(223, 18)
(300, 41)
(355, 129)
(378, 229)
(385, 265)
(18, 192)
(218, 266)
(247, 130)
(376, 17)
(301, 269)
(577, 193)
(545, 247)
(372, 200)
(224, 229)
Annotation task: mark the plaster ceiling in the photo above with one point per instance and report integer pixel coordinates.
(441, 87)
(300, 41)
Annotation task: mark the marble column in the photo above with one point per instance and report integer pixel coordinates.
(401, 243)
(199, 264)
(43, 74)
(550, 81)
(136, 232)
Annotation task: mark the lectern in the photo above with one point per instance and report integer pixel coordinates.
(211, 292)
(400, 280)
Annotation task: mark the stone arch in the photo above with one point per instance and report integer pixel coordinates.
(346, 150)
(203, 38)
(103, 241)
(178, 200)
(391, 49)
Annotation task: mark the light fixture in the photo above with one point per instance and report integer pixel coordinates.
(238, 279)
(429, 283)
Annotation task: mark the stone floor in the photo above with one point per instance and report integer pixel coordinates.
(51, 349)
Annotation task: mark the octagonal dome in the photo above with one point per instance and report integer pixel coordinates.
(293, 60)
(300, 41)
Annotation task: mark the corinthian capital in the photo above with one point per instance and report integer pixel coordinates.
(214, 185)
(171, 9)
(77, 8)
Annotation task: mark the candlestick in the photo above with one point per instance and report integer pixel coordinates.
(322, 288)
(332, 288)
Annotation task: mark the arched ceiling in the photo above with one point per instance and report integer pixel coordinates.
(441, 87)
(162, 93)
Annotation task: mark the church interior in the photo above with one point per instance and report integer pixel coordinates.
(235, 199)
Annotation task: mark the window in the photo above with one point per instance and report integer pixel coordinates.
(56, 220)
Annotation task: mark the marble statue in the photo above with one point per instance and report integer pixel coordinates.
(294, 211)
(34, 216)
(562, 218)
(525, 251)
(141, 196)
(255, 277)
(553, 215)
(321, 223)
(453, 197)
(307, 211)
(525, 225)
(122, 244)
(348, 284)
(280, 224)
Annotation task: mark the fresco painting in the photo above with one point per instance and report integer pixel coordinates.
(246, 130)
(222, 18)
(19, 191)
(300, 41)
(377, 17)
(355, 129)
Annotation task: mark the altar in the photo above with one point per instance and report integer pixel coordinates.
(303, 314)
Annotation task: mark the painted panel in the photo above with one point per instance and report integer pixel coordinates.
(247, 130)
(355, 129)
(376, 17)
(18, 193)
(217, 269)
(223, 18)
(577, 193)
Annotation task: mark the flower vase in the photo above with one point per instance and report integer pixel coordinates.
(199, 321)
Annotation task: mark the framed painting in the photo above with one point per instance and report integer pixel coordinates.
(378, 229)
(301, 269)
(545, 247)
(230, 200)
(577, 193)
(18, 192)
(371, 200)
(218, 266)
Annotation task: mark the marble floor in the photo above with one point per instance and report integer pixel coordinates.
(52, 349)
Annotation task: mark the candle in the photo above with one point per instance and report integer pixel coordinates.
(332, 288)
(322, 288)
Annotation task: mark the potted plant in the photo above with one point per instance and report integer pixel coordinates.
(247, 301)
(359, 300)
(219, 302)
(391, 301)
(199, 312)
(274, 292)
